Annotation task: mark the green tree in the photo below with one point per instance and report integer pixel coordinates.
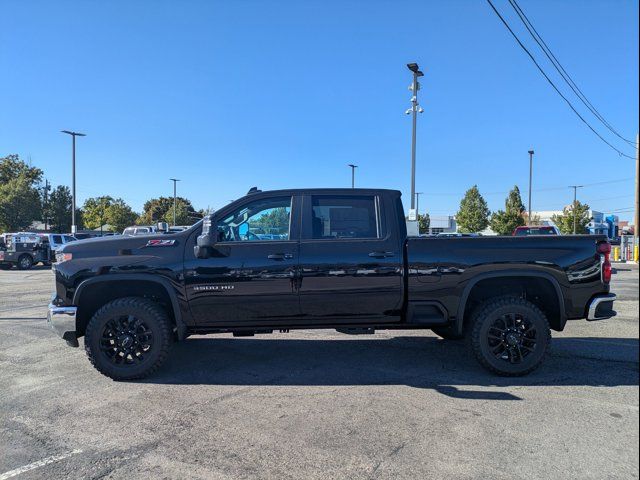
(58, 209)
(424, 221)
(11, 167)
(473, 215)
(564, 221)
(504, 222)
(19, 204)
(99, 211)
(274, 221)
(161, 210)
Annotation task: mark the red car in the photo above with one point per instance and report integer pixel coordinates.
(541, 230)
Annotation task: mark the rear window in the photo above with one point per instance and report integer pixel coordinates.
(535, 231)
(336, 217)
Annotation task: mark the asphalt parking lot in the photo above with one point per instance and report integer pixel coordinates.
(317, 404)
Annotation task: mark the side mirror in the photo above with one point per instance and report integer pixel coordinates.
(206, 240)
(162, 227)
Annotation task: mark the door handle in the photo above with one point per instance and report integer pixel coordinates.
(280, 256)
(381, 254)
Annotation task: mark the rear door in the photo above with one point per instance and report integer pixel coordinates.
(350, 259)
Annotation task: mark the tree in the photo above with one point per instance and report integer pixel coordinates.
(19, 204)
(19, 197)
(424, 221)
(161, 210)
(504, 222)
(99, 211)
(564, 221)
(58, 209)
(275, 221)
(473, 215)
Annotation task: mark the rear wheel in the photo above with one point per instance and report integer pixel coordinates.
(25, 262)
(509, 336)
(128, 338)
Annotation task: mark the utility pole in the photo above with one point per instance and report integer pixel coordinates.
(46, 204)
(636, 219)
(415, 109)
(418, 204)
(174, 180)
(73, 178)
(530, 183)
(575, 205)
(353, 175)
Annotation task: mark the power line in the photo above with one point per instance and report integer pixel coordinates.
(622, 154)
(561, 70)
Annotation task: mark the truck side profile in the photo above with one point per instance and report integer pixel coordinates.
(323, 258)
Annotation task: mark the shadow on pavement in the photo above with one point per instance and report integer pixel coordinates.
(420, 362)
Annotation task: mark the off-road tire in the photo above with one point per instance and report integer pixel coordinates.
(152, 315)
(447, 333)
(485, 316)
(25, 262)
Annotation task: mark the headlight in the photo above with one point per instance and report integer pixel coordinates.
(63, 257)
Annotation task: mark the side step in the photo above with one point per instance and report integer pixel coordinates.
(357, 331)
(249, 333)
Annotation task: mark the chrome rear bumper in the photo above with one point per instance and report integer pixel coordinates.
(63, 321)
(601, 307)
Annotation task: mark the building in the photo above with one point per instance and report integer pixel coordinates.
(442, 224)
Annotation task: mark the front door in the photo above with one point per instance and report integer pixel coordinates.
(350, 262)
(251, 277)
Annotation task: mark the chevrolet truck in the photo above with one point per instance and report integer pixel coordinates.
(323, 259)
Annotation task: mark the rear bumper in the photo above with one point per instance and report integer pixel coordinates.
(601, 307)
(62, 320)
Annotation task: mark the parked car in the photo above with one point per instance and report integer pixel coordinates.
(535, 230)
(140, 230)
(24, 250)
(343, 261)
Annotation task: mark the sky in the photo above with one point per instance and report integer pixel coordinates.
(226, 95)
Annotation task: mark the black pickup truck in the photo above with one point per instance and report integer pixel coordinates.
(323, 258)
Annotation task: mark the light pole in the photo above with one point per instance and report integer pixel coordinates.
(418, 204)
(175, 181)
(353, 175)
(575, 204)
(530, 183)
(73, 177)
(415, 109)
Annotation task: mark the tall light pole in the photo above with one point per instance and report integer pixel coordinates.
(530, 183)
(636, 217)
(415, 109)
(175, 181)
(73, 177)
(575, 204)
(418, 204)
(353, 175)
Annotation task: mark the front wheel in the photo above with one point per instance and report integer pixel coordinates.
(509, 336)
(25, 262)
(128, 338)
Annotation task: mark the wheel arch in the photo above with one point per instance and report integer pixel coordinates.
(550, 298)
(95, 292)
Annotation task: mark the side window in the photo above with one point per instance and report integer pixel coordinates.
(348, 216)
(57, 239)
(68, 239)
(265, 219)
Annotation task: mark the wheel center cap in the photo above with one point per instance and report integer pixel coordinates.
(126, 341)
(512, 339)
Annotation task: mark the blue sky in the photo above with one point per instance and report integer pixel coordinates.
(228, 95)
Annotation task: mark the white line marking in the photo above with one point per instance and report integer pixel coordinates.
(38, 464)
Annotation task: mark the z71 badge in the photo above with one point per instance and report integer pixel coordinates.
(160, 243)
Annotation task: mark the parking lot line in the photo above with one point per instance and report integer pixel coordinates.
(38, 464)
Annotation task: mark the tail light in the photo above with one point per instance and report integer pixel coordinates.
(604, 249)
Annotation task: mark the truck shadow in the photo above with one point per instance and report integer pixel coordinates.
(420, 362)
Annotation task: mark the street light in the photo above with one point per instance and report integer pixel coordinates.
(415, 109)
(575, 204)
(353, 175)
(73, 177)
(418, 204)
(530, 182)
(174, 180)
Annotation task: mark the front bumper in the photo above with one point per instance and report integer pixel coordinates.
(601, 307)
(63, 321)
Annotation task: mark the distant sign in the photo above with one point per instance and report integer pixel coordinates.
(413, 215)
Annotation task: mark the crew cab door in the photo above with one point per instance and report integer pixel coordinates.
(350, 260)
(251, 277)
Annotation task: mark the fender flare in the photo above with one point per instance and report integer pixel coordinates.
(164, 282)
(510, 273)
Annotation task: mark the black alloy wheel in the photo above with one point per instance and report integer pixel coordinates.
(509, 335)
